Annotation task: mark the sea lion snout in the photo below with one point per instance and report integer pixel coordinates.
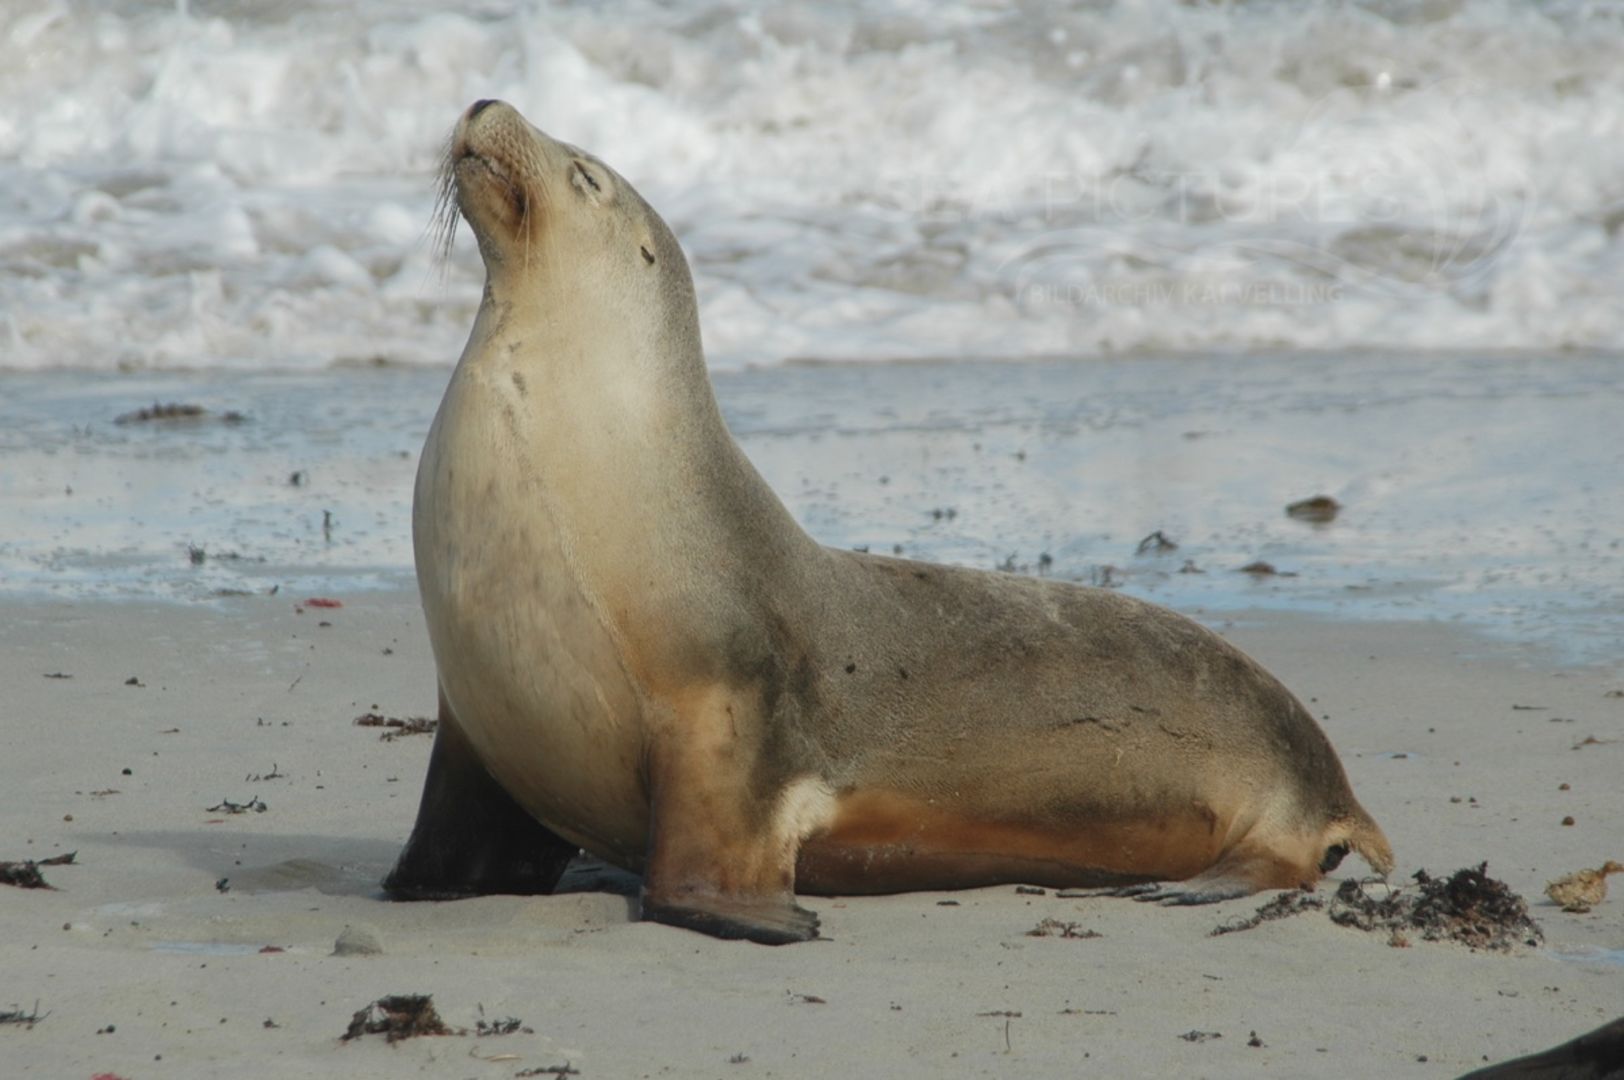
(504, 113)
(493, 135)
(508, 178)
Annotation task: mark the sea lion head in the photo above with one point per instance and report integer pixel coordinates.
(555, 222)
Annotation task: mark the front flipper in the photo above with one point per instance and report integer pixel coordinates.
(471, 838)
(1242, 872)
(1184, 893)
(721, 849)
(764, 920)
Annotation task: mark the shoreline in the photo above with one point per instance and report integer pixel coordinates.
(1422, 715)
(1444, 468)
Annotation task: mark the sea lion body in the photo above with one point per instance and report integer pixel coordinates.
(642, 654)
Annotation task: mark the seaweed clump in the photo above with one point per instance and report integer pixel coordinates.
(1281, 907)
(1057, 928)
(26, 875)
(397, 1017)
(171, 412)
(1468, 906)
(412, 725)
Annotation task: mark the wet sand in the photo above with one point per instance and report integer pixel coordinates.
(1475, 488)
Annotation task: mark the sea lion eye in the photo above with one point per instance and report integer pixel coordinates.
(584, 175)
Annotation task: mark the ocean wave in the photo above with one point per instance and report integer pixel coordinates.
(225, 185)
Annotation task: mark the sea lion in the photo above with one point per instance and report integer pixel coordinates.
(1595, 1055)
(640, 652)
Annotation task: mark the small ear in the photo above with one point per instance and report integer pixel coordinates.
(648, 256)
(585, 180)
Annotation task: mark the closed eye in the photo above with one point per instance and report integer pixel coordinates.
(583, 173)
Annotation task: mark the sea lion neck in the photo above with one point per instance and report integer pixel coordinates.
(645, 362)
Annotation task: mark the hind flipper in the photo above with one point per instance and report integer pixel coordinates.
(471, 838)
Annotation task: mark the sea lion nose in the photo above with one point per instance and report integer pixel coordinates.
(480, 106)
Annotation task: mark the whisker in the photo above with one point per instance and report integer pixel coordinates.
(524, 227)
(543, 185)
(539, 180)
(443, 222)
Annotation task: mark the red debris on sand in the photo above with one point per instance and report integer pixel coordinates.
(322, 601)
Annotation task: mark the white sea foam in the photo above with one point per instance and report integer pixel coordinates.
(228, 184)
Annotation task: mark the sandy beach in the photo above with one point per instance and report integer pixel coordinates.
(1454, 628)
(1089, 291)
(186, 941)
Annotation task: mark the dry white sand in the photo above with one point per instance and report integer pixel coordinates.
(137, 941)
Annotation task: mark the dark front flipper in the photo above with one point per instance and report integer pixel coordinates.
(721, 856)
(767, 920)
(1251, 867)
(471, 838)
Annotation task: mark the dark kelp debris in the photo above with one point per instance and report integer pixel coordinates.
(565, 1069)
(397, 1017)
(1317, 509)
(1282, 906)
(26, 875)
(226, 806)
(1156, 543)
(1057, 928)
(1261, 569)
(197, 555)
(15, 1015)
(411, 725)
(173, 411)
(507, 1025)
(1469, 907)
